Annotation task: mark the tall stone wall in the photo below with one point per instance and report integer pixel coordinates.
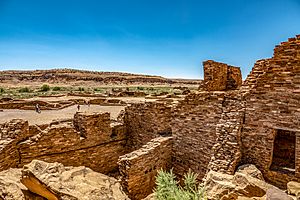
(194, 122)
(260, 125)
(220, 76)
(272, 96)
(146, 121)
(234, 78)
(138, 169)
(227, 151)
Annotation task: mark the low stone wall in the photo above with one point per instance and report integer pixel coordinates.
(138, 169)
(93, 126)
(11, 133)
(90, 140)
(30, 105)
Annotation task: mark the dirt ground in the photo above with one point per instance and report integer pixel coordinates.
(46, 116)
(62, 98)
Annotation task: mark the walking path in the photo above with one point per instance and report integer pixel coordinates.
(46, 116)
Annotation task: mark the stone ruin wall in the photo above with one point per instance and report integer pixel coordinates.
(227, 148)
(272, 104)
(211, 130)
(265, 108)
(146, 121)
(245, 127)
(194, 123)
(138, 169)
(234, 78)
(220, 76)
(11, 133)
(8, 103)
(91, 142)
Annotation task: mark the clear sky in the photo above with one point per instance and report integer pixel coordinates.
(162, 37)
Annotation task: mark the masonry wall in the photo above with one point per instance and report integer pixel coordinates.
(215, 75)
(194, 122)
(227, 150)
(11, 133)
(138, 169)
(272, 99)
(234, 78)
(93, 142)
(146, 121)
(220, 76)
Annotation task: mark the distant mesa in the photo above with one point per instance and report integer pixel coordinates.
(72, 75)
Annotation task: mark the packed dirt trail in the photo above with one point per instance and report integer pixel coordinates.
(46, 116)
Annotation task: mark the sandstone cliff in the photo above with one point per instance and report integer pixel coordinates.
(72, 75)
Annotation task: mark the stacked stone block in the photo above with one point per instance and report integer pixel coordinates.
(227, 149)
(11, 133)
(146, 121)
(138, 169)
(220, 76)
(194, 122)
(272, 100)
(91, 140)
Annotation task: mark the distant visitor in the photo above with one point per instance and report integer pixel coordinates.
(37, 108)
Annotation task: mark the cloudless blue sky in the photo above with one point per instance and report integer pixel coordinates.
(170, 38)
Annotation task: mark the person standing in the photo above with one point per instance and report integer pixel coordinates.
(37, 108)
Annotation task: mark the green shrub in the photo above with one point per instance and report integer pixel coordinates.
(99, 90)
(81, 89)
(140, 88)
(56, 88)
(2, 90)
(45, 88)
(24, 89)
(167, 187)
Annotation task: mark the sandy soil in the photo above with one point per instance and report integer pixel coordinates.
(46, 116)
(61, 98)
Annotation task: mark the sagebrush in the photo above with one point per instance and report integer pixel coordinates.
(167, 188)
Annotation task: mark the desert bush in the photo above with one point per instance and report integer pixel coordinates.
(81, 89)
(45, 88)
(99, 90)
(2, 90)
(24, 89)
(167, 187)
(140, 88)
(56, 88)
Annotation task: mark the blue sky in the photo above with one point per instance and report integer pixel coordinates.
(170, 38)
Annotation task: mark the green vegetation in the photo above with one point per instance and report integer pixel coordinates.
(140, 88)
(28, 92)
(45, 88)
(81, 89)
(24, 89)
(101, 90)
(167, 187)
(56, 88)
